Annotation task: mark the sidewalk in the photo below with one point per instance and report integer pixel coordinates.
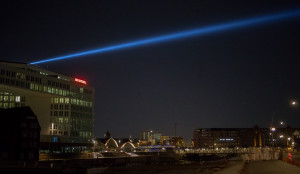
(274, 167)
(234, 167)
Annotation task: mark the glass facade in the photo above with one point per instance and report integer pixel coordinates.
(70, 110)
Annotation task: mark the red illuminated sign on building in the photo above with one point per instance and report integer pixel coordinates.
(80, 81)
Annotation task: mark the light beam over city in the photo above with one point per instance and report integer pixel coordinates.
(184, 34)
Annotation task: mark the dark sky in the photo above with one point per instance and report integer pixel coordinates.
(237, 78)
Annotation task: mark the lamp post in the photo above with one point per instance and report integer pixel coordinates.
(272, 129)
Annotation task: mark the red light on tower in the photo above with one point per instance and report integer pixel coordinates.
(80, 81)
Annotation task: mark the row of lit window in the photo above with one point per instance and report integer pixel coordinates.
(73, 101)
(55, 126)
(81, 134)
(11, 105)
(20, 76)
(85, 134)
(38, 87)
(58, 120)
(81, 122)
(81, 108)
(12, 98)
(41, 88)
(61, 106)
(59, 113)
(58, 132)
(76, 115)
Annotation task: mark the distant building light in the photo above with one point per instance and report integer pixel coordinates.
(226, 139)
(80, 81)
(273, 129)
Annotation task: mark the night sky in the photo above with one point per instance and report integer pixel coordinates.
(237, 78)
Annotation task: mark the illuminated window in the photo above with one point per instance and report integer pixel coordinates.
(55, 100)
(31, 85)
(5, 98)
(81, 90)
(5, 105)
(18, 98)
(11, 98)
(61, 100)
(67, 100)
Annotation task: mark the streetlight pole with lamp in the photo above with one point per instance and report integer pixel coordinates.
(273, 129)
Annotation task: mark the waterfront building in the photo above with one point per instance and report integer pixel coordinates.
(63, 105)
(244, 137)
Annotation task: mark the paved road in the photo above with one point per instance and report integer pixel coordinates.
(274, 167)
(295, 157)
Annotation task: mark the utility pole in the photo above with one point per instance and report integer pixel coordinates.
(272, 129)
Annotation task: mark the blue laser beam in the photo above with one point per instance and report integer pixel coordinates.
(184, 34)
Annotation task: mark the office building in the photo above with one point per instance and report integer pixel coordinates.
(244, 137)
(62, 104)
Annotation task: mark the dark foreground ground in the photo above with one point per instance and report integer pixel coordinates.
(215, 167)
(190, 168)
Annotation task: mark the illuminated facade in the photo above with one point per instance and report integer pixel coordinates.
(63, 105)
(244, 137)
(223, 137)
